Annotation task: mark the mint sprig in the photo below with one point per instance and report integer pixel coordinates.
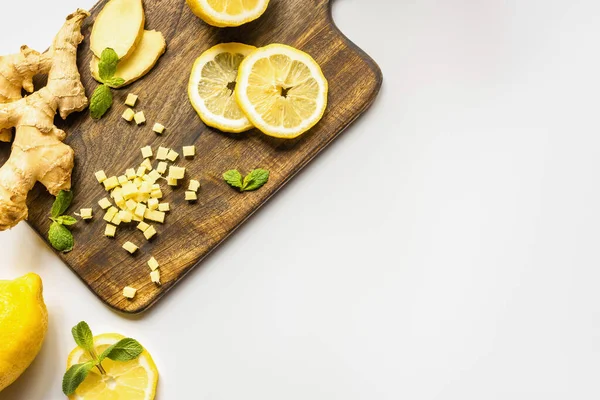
(124, 350)
(253, 181)
(102, 97)
(59, 236)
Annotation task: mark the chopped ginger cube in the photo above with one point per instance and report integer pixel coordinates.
(125, 216)
(111, 183)
(116, 219)
(129, 190)
(176, 172)
(140, 210)
(129, 292)
(147, 152)
(85, 213)
(154, 215)
(150, 232)
(141, 171)
(139, 117)
(155, 186)
(130, 173)
(128, 115)
(142, 226)
(152, 204)
(194, 185)
(145, 188)
(156, 194)
(101, 176)
(172, 181)
(136, 218)
(191, 196)
(162, 167)
(131, 100)
(147, 164)
(118, 197)
(172, 156)
(161, 153)
(155, 276)
(122, 179)
(104, 203)
(153, 176)
(131, 204)
(110, 230)
(153, 264)
(110, 213)
(189, 151)
(158, 128)
(164, 207)
(138, 181)
(130, 247)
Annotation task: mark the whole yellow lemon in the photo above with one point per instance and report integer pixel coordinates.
(23, 325)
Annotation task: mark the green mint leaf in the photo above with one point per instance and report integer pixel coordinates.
(101, 101)
(83, 336)
(255, 179)
(66, 220)
(124, 350)
(233, 178)
(108, 64)
(61, 203)
(60, 237)
(115, 82)
(75, 376)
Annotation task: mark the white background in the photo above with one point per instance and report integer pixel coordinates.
(445, 247)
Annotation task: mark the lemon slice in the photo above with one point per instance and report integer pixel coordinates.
(281, 90)
(130, 380)
(212, 84)
(222, 13)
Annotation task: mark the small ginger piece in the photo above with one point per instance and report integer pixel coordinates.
(172, 156)
(120, 26)
(104, 203)
(189, 151)
(130, 247)
(100, 176)
(139, 117)
(140, 210)
(155, 276)
(161, 153)
(161, 168)
(147, 152)
(153, 264)
(85, 213)
(129, 292)
(111, 183)
(128, 115)
(154, 215)
(151, 46)
(172, 181)
(38, 152)
(176, 172)
(110, 230)
(150, 232)
(191, 196)
(131, 98)
(194, 185)
(130, 173)
(146, 164)
(153, 204)
(164, 207)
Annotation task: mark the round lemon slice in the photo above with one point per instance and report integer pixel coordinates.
(223, 13)
(212, 85)
(131, 380)
(281, 90)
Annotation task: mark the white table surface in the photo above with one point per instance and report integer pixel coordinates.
(445, 247)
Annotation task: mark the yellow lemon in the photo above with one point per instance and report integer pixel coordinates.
(281, 90)
(23, 325)
(212, 84)
(223, 13)
(130, 380)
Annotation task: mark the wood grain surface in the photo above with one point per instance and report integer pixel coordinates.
(191, 231)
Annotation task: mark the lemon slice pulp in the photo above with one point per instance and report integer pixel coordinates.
(222, 13)
(130, 380)
(281, 90)
(212, 84)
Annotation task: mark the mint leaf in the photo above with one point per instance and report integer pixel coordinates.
(233, 178)
(61, 203)
(108, 64)
(83, 336)
(75, 376)
(114, 82)
(66, 220)
(255, 179)
(101, 101)
(124, 350)
(60, 237)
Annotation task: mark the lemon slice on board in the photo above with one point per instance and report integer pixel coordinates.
(212, 84)
(130, 380)
(281, 90)
(223, 13)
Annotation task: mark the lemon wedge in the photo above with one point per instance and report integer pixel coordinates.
(281, 90)
(212, 84)
(223, 13)
(130, 380)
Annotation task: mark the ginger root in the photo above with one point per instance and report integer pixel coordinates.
(140, 62)
(38, 154)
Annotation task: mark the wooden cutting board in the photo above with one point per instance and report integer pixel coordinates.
(191, 231)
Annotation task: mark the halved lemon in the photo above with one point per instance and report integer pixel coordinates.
(281, 90)
(212, 85)
(222, 13)
(130, 380)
